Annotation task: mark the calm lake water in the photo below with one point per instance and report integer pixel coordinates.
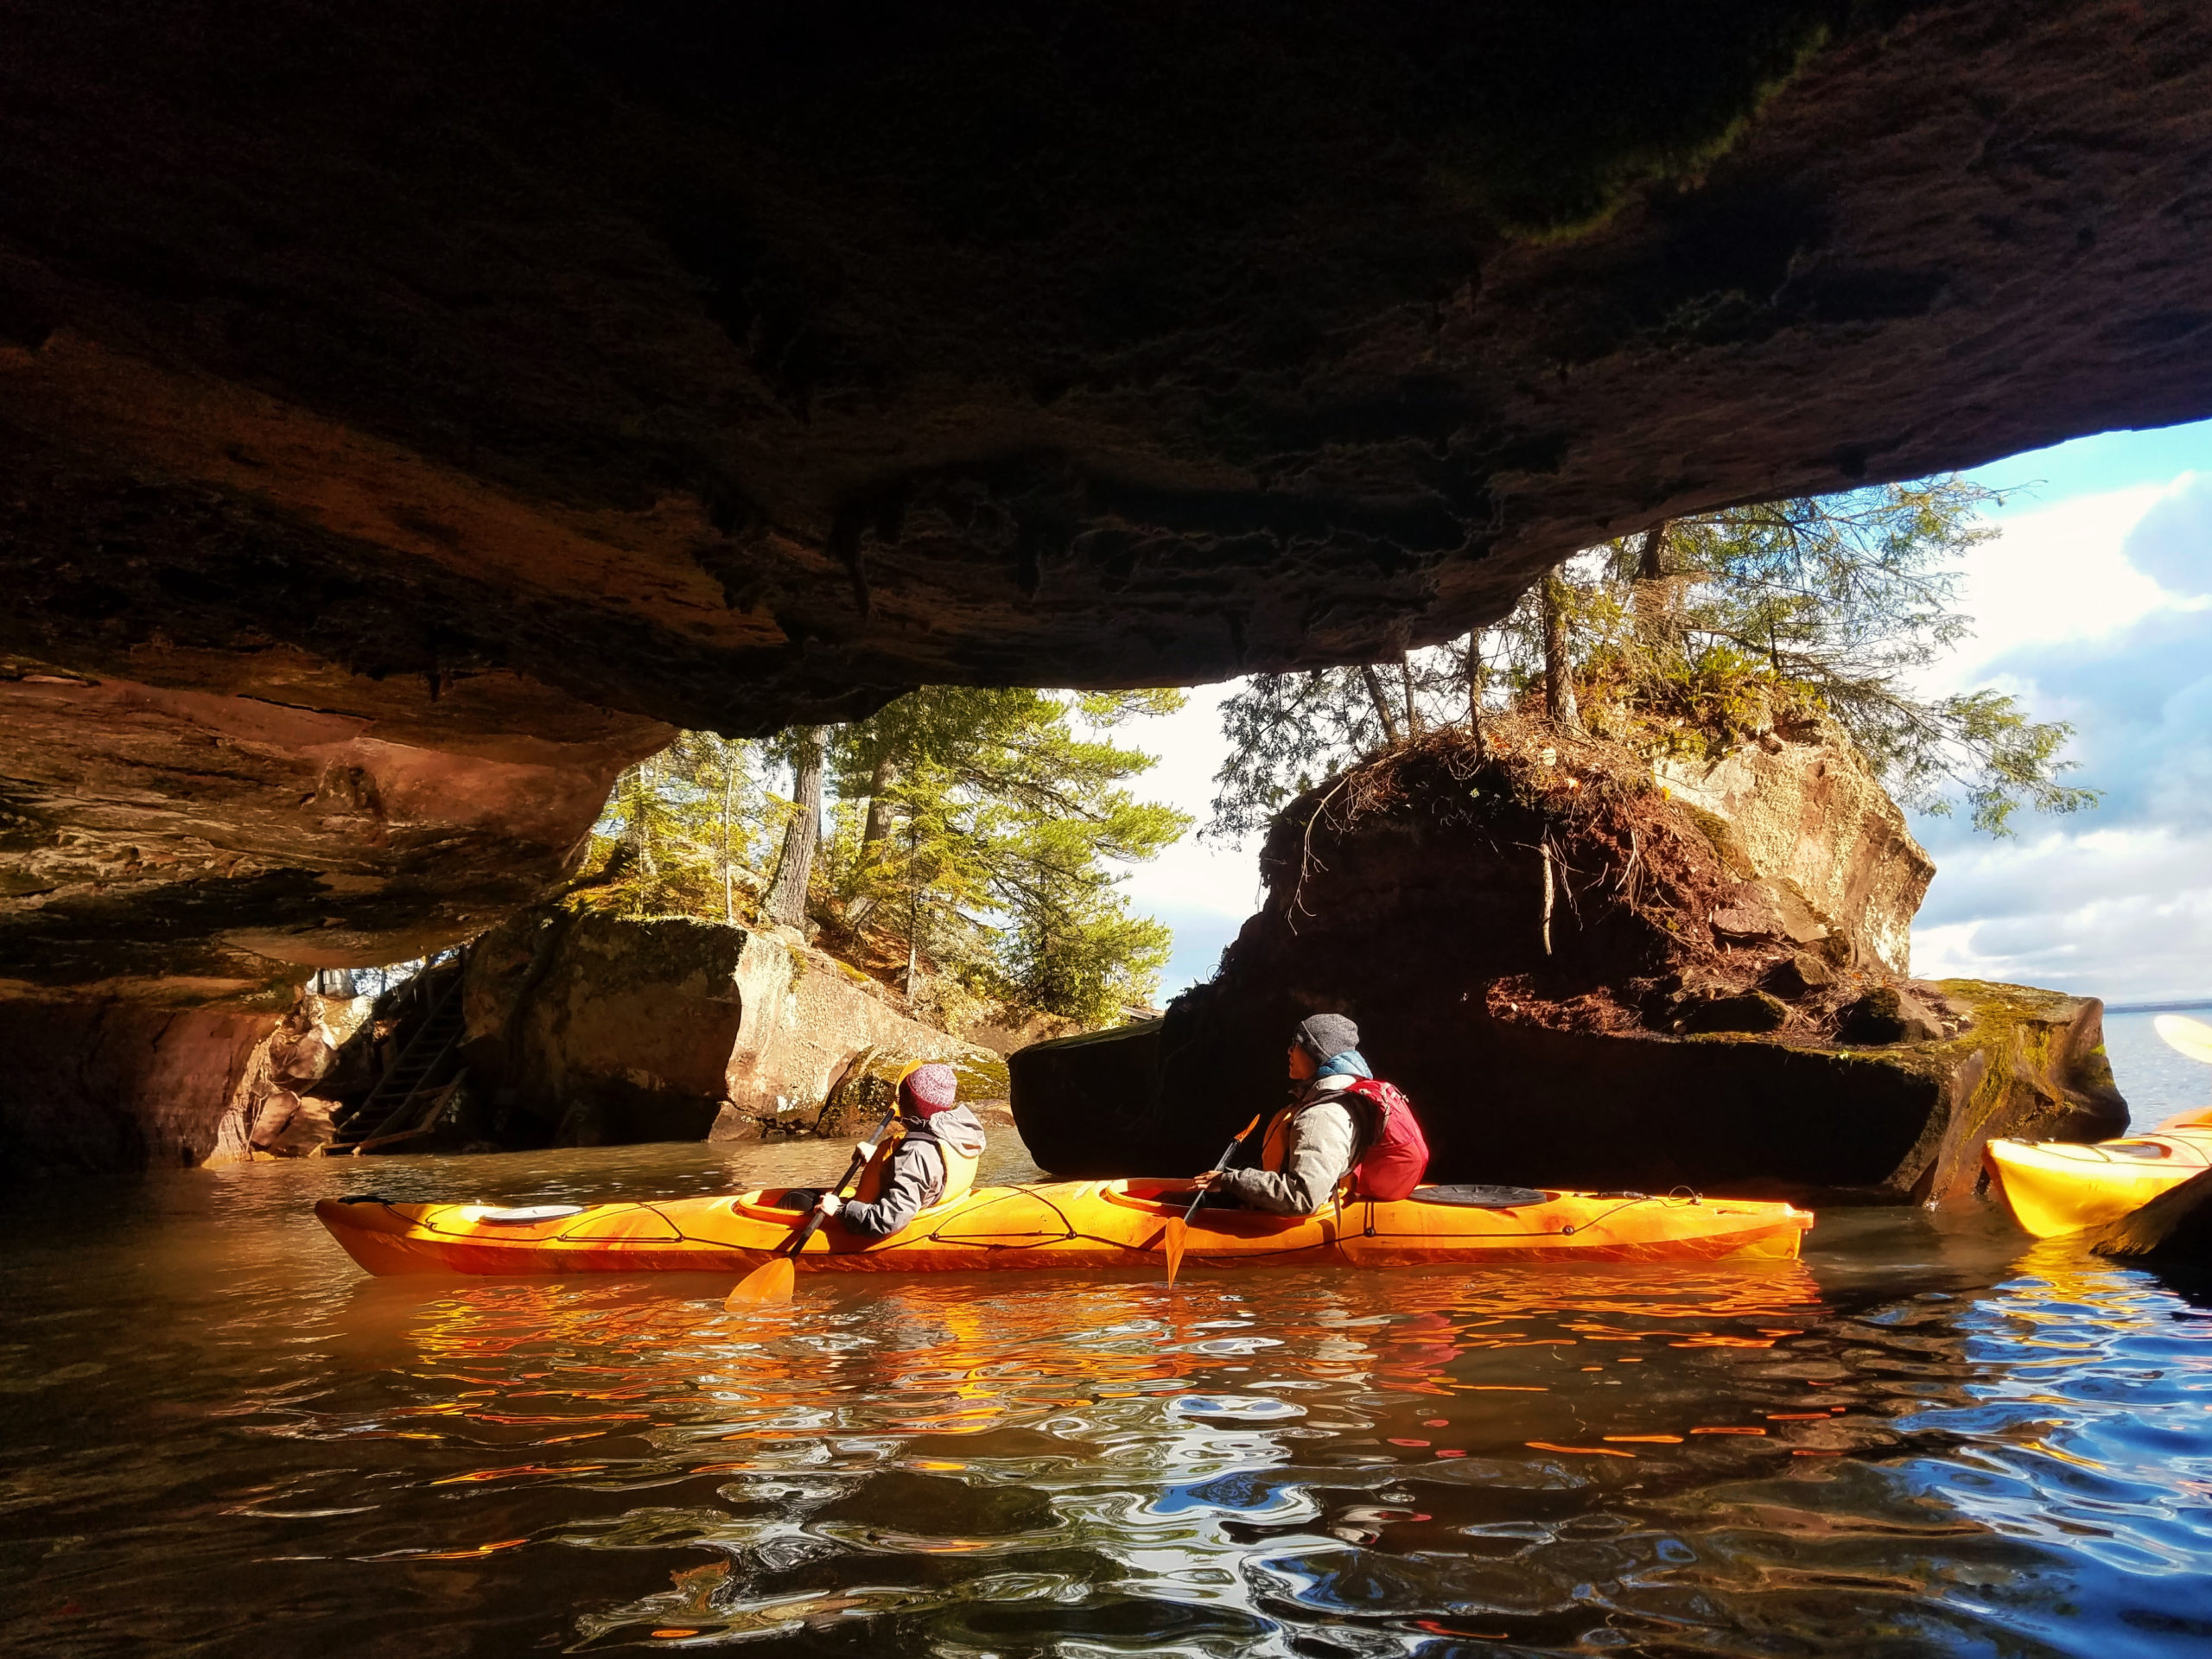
(2157, 1080)
(1933, 1436)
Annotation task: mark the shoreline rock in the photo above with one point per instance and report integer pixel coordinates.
(589, 1030)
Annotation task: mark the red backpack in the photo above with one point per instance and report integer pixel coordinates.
(1397, 1153)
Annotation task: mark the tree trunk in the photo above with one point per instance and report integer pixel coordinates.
(1654, 596)
(874, 832)
(1375, 695)
(1406, 680)
(1559, 666)
(1478, 681)
(786, 901)
(729, 788)
(913, 911)
(878, 809)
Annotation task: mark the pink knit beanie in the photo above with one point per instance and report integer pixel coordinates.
(928, 1090)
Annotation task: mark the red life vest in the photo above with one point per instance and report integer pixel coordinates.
(1396, 1155)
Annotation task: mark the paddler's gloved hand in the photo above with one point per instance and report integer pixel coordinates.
(864, 1150)
(830, 1204)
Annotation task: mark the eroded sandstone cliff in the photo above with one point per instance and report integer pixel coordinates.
(387, 393)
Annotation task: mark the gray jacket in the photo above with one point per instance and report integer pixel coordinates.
(1320, 1146)
(916, 1178)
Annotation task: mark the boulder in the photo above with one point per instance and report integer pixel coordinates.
(311, 1127)
(1618, 1037)
(1730, 1011)
(591, 1029)
(1802, 975)
(2173, 1230)
(271, 1118)
(272, 1113)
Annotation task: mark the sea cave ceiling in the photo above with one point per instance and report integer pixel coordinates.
(409, 411)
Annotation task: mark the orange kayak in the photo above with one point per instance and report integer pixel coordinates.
(1062, 1224)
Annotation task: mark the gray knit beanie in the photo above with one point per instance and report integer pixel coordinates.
(1324, 1036)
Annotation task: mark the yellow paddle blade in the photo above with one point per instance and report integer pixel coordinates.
(2185, 1036)
(772, 1281)
(1172, 1242)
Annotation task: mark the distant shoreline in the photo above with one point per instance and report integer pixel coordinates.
(2156, 1007)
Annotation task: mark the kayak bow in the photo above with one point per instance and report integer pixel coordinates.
(2061, 1186)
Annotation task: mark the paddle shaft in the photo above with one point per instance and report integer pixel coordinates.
(815, 1217)
(1222, 1162)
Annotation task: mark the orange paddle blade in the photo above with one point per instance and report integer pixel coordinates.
(772, 1281)
(1172, 1242)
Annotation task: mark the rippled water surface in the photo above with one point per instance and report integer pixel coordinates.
(2157, 1081)
(1932, 1436)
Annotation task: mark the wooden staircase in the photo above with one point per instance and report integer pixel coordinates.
(407, 1099)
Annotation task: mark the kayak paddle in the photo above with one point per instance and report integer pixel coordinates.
(774, 1279)
(1172, 1240)
(2186, 1036)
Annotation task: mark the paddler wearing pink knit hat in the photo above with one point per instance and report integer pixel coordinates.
(927, 1157)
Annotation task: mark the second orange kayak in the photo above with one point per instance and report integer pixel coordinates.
(2061, 1186)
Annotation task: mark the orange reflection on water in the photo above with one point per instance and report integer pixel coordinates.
(945, 1356)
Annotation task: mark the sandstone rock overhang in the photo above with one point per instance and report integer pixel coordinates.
(726, 368)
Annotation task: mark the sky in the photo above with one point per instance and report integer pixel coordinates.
(2094, 605)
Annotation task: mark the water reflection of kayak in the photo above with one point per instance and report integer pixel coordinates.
(1063, 1224)
(2058, 1187)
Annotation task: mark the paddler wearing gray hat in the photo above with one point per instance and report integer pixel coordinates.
(1312, 1144)
(927, 1156)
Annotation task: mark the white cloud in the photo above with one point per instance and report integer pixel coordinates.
(1201, 890)
(2094, 612)
(2123, 915)
(2059, 573)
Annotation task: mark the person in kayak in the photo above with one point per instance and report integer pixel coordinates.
(927, 1156)
(1314, 1144)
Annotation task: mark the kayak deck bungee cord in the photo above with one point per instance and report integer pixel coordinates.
(1119, 1223)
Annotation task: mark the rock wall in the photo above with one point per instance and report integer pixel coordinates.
(593, 1029)
(1582, 980)
(91, 1085)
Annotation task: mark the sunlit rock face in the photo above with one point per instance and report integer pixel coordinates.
(1583, 978)
(468, 375)
(598, 1030)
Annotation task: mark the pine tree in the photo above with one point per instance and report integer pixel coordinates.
(1014, 819)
